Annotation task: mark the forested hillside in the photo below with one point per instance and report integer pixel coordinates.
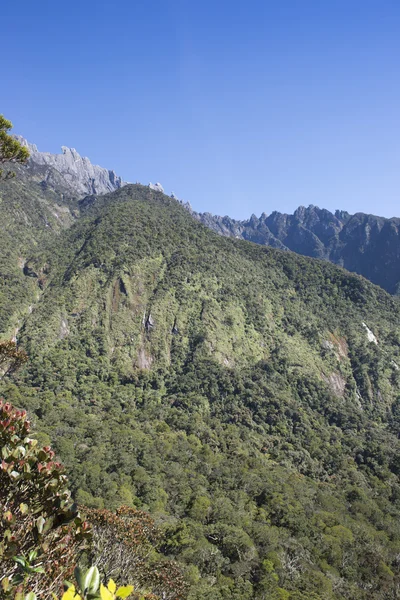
(31, 213)
(247, 397)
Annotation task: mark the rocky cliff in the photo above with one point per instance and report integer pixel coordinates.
(79, 175)
(365, 244)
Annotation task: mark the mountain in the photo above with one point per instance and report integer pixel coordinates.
(361, 243)
(78, 174)
(248, 397)
(31, 212)
(41, 201)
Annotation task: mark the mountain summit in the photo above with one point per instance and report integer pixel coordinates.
(80, 175)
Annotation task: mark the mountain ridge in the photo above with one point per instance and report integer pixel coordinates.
(81, 176)
(361, 243)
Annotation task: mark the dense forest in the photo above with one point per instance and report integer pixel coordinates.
(246, 397)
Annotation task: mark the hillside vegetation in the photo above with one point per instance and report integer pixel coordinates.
(246, 396)
(30, 214)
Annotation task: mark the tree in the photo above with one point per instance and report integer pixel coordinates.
(10, 357)
(10, 149)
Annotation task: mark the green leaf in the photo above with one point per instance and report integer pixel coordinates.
(22, 450)
(32, 555)
(92, 580)
(20, 560)
(37, 569)
(30, 596)
(49, 524)
(80, 578)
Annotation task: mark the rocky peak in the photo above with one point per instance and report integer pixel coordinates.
(79, 174)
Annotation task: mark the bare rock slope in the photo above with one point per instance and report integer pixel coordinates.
(79, 174)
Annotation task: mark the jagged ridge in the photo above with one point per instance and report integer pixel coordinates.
(362, 243)
(80, 175)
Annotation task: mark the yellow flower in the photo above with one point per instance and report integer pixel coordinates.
(111, 592)
(112, 586)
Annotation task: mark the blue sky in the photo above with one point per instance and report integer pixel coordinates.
(238, 107)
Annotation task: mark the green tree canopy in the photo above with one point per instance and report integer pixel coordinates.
(10, 149)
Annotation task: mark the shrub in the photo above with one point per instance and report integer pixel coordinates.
(41, 531)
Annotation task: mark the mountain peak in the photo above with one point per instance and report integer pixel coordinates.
(81, 176)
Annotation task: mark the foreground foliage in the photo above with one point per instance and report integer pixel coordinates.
(124, 547)
(43, 535)
(89, 587)
(41, 531)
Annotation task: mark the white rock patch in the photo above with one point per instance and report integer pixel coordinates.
(370, 335)
(157, 187)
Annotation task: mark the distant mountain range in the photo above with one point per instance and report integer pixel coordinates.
(361, 243)
(365, 244)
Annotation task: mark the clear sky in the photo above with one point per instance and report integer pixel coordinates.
(239, 107)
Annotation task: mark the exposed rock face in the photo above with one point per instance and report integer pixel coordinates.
(79, 175)
(337, 383)
(370, 335)
(361, 243)
(157, 187)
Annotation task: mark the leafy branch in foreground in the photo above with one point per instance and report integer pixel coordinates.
(89, 587)
(124, 546)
